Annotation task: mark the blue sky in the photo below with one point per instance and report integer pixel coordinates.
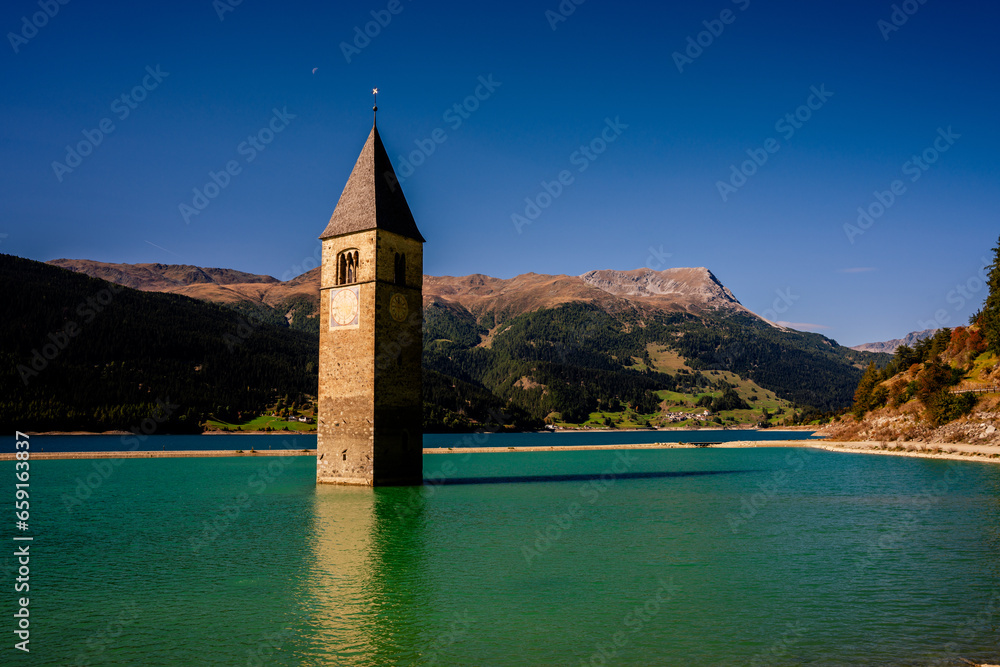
(646, 193)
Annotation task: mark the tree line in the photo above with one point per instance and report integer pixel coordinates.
(932, 377)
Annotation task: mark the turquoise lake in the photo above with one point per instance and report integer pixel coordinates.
(768, 556)
(102, 443)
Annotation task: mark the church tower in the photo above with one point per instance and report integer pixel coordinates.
(370, 418)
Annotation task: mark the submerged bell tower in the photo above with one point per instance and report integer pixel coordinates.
(369, 426)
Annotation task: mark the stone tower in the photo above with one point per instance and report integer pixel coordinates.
(370, 422)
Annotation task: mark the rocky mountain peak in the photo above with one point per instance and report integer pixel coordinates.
(697, 285)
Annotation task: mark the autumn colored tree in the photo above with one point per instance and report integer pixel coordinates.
(959, 339)
(976, 343)
(966, 345)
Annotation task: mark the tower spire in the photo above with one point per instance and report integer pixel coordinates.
(372, 197)
(375, 106)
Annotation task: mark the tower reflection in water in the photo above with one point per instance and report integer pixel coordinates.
(366, 587)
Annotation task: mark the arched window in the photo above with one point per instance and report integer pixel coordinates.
(400, 269)
(347, 267)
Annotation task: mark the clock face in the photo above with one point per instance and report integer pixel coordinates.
(344, 310)
(398, 307)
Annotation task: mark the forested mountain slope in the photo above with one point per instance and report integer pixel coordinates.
(80, 353)
(515, 352)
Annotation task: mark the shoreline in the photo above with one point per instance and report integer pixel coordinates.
(197, 453)
(953, 452)
(684, 429)
(736, 444)
(956, 452)
(917, 450)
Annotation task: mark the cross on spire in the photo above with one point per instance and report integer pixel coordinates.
(375, 106)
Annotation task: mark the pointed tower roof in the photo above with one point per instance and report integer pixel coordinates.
(372, 198)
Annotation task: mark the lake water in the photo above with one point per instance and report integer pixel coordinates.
(108, 443)
(769, 556)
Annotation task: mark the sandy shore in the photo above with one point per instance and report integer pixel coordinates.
(680, 429)
(35, 455)
(923, 450)
(956, 452)
(581, 448)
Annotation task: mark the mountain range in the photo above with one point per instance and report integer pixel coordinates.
(294, 300)
(81, 353)
(539, 347)
(692, 290)
(890, 346)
